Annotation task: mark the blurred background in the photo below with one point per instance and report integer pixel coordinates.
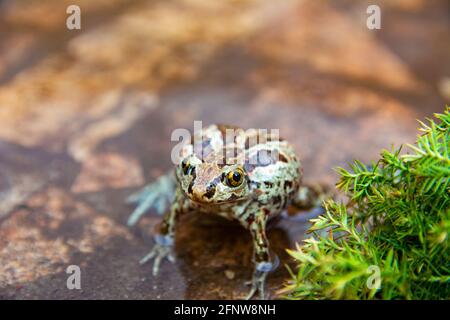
(86, 117)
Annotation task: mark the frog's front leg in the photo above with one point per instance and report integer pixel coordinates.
(164, 240)
(256, 223)
(157, 195)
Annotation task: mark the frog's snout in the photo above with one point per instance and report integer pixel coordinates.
(204, 194)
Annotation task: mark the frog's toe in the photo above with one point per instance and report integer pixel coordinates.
(139, 212)
(162, 249)
(171, 257)
(159, 252)
(252, 292)
(149, 256)
(258, 282)
(133, 198)
(156, 264)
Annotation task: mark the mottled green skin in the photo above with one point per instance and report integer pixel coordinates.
(272, 175)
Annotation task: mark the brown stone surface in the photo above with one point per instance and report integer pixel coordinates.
(86, 118)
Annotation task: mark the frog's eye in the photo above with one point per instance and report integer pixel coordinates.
(235, 177)
(186, 166)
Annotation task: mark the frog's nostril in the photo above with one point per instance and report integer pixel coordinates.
(210, 190)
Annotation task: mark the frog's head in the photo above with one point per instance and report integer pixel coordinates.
(211, 183)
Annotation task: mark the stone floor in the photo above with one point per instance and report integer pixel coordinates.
(86, 117)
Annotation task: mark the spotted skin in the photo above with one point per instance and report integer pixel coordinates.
(250, 176)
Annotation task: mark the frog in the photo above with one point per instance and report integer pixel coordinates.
(249, 176)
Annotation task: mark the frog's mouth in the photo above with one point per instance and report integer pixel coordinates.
(214, 203)
(208, 202)
(206, 199)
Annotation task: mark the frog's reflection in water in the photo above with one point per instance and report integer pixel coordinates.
(215, 255)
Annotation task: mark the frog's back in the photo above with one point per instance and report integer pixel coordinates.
(272, 167)
(274, 171)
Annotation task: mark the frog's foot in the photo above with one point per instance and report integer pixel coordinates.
(311, 196)
(259, 279)
(156, 195)
(162, 249)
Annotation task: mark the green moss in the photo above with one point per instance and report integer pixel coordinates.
(396, 221)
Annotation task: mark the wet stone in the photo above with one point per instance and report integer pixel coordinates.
(86, 119)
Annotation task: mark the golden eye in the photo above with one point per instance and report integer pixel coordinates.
(235, 177)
